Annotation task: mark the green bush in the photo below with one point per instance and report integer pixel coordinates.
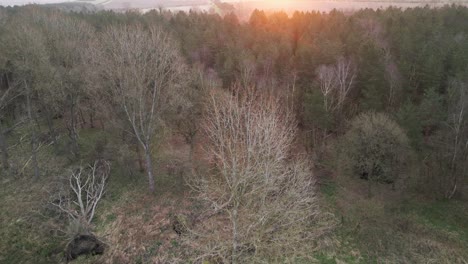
(375, 148)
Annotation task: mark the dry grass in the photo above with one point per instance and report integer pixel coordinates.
(138, 229)
(135, 224)
(28, 230)
(392, 227)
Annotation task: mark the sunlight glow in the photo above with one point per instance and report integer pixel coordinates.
(277, 3)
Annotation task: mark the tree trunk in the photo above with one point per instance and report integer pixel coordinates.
(192, 149)
(140, 158)
(234, 233)
(4, 149)
(369, 188)
(72, 130)
(91, 119)
(149, 168)
(83, 120)
(33, 133)
(50, 126)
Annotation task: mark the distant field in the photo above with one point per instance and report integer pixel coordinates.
(285, 5)
(292, 5)
(142, 4)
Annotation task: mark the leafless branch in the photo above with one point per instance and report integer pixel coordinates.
(86, 187)
(264, 191)
(335, 82)
(142, 70)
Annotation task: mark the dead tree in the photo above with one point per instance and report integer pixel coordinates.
(86, 187)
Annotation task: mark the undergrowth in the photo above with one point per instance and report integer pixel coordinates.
(408, 230)
(136, 225)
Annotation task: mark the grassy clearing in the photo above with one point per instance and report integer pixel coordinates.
(27, 233)
(387, 230)
(443, 216)
(27, 230)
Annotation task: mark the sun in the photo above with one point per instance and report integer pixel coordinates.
(277, 4)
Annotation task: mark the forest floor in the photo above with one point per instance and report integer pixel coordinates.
(137, 229)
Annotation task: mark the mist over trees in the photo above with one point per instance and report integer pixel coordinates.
(262, 131)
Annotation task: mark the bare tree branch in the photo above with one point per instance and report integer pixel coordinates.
(86, 187)
(264, 191)
(141, 69)
(335, 82)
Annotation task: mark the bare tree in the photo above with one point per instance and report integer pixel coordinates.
(247, 69)
(142, 69)
(345, 73)
(393, 76)
(190, 111)
(376, 32)
(265, 193)
(458, 135)
(447, 164)
(86, 187)
(32, 128)
(327, 84)
(335, 82)
(7, 95)
(68, 38)
(28, 58)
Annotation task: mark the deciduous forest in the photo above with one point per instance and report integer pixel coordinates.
(199, 138)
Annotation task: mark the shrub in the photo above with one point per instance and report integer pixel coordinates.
(375, 148)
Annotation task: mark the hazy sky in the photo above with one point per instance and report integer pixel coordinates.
(23, 2)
